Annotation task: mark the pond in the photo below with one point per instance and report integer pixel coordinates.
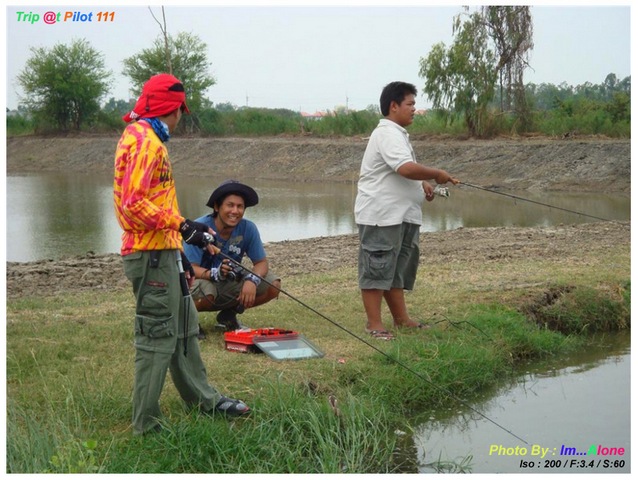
(56, 215)
(571, 415)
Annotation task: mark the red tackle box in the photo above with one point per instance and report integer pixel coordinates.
(243, 340)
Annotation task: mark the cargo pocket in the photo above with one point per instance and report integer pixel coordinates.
(378, 259)
(155, 302)
(155, 326)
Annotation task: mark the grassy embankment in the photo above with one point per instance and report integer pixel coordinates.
(70, 365)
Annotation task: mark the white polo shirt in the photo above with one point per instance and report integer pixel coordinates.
(384, 197)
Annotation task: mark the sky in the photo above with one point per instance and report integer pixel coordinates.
(315, 58)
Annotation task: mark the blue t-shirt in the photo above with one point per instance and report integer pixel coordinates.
(244, 240)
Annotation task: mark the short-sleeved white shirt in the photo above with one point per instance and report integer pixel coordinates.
(384, 197)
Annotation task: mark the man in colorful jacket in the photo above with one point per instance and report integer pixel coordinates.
(166, 323)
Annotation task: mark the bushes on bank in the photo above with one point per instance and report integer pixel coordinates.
(248, 122)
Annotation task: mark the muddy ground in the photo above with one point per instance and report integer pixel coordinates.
(572, 164)
(478, 246)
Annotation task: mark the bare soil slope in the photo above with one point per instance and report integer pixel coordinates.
(585, 164)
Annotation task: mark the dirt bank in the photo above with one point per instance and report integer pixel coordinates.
(583, 164)
(479, 246)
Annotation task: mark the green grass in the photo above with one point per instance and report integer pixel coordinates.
(70, 368)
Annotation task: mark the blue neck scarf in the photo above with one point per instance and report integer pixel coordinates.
(159, 127)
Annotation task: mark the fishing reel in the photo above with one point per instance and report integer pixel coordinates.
(441, 191)
(208, 238)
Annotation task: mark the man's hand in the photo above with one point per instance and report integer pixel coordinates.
(444, 177)
(225, 268)
(429, 191)
(193, 233)
(189, 271)
(248, 294)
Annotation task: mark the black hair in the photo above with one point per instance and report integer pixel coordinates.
(394, 92)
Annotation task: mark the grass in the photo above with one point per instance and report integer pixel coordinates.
(70, 365)
(253, 122)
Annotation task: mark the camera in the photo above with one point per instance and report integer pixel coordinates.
(236, 272)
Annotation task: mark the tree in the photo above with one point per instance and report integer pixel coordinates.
(64, 85)
(188, 61)
(547, 95)
(461, 79)
(490, 45)
(511, 30)
(119, 107)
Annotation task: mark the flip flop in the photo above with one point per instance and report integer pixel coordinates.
(381, 334)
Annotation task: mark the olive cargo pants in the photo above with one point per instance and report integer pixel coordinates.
(165, 323)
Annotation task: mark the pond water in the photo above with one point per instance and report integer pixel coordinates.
(56, 215)
(560, 408)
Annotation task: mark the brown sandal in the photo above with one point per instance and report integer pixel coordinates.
(381, 334)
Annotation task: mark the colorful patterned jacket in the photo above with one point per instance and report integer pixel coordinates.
(144, 192)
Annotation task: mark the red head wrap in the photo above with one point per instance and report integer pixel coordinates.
(161, 95)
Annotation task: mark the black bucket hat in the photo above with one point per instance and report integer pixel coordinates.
(233, 186)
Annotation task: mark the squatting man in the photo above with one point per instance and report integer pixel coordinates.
(221, 284)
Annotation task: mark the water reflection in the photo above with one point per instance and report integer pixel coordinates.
(51, 216)
(585, 401)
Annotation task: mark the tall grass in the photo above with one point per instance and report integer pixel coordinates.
(19, 125)
(290, 433)
(51, 436)
(253, 122)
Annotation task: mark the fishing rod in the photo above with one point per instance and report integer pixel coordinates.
(516, 197)
(211, 240)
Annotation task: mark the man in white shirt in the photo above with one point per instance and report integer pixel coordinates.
(391, 190)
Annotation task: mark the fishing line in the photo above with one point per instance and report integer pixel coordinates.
(389, 357)
(516, 197)
(456, 325)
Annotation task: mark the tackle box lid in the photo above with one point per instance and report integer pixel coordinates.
(277, 343)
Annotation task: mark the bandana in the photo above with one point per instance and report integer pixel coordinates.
(161, 95)
(159, 127)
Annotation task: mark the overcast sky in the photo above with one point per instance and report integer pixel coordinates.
(317, 58)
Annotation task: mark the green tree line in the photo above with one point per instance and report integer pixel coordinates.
(557, 110)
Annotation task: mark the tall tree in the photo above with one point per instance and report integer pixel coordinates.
(64, 84)
(490, 45)
(188, 61)
(461, 79)
(511, 29)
